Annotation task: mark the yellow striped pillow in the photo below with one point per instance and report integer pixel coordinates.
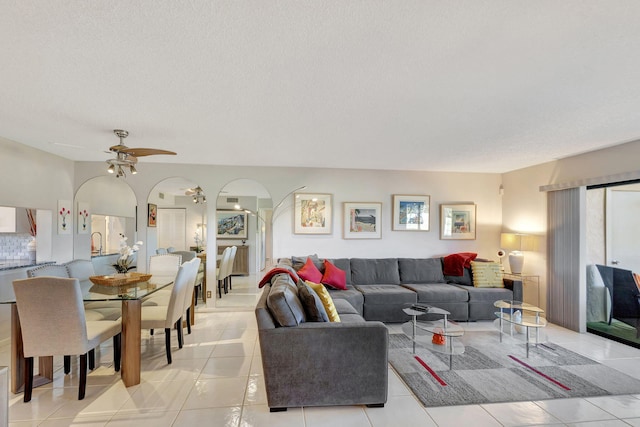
(486, 275)
(327, 302)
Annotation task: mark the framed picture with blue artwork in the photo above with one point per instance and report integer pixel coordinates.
(410, 213)
(458, 221)
(231, 225)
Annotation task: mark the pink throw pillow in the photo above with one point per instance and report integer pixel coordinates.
(334, 277)
(310, 272)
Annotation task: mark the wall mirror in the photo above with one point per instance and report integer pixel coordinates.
(253, 203)
(109, 205)
(181, 213)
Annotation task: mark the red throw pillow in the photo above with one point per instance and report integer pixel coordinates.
(334, 277)
(310, 272)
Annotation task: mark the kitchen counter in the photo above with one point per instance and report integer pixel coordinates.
(12, 264)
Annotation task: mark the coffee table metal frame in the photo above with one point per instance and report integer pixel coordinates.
(533, 320)
(423, 331)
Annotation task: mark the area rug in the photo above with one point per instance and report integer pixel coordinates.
(491, 371)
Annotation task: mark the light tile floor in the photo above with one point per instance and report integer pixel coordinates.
(216, 380)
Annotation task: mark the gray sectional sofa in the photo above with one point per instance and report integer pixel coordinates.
(329, 363)
(380, 287)
(319, 363)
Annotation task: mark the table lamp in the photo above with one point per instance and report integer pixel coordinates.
(513, 242)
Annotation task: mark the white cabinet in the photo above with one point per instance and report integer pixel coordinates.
(7, 219)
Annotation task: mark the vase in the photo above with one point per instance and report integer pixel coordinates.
(31, 249)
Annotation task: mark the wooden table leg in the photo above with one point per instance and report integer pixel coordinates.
(192, 312)
(45, 375)
(204, 287)
(131, 337)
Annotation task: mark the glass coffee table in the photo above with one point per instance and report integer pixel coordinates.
(509, 323)
(423, 331)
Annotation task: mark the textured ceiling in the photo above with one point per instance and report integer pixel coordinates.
(482, 86)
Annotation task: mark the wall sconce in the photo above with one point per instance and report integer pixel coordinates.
(517, 243)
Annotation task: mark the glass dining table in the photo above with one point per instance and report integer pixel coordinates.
(131, 296)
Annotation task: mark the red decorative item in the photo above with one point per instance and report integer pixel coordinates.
(438, 338)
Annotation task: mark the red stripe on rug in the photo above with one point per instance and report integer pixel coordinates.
(431, 371)
(556, 382)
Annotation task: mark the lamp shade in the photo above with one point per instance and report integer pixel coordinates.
(511, 241)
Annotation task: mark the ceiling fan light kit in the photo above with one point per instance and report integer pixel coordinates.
(128, 157)
(198, 195)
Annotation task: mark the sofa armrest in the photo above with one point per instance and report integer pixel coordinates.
(516, 288)
(325, 364)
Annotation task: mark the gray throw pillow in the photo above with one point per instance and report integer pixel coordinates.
(313, 307)
(299, 261)
(284, 303)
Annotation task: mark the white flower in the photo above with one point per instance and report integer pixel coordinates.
(126, 252)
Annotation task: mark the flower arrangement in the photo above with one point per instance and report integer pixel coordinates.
(123, 264)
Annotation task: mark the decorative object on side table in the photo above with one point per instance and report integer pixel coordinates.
(458, 221)
(123, 264)
(517, 243)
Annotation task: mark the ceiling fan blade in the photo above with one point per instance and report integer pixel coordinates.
(140, 152)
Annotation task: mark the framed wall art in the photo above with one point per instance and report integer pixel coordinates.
(65, 217)
(458, 221)
(84, 218)
(232, 225)
(312, 213)
(362, 220)
(152, 215)
(410, 213)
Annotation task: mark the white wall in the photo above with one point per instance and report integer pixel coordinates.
(35, 179)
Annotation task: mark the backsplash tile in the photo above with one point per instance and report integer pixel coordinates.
(14, 246)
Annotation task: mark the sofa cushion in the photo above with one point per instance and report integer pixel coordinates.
(283, 301)
(326, 300)
(425, 270)
(333, 276)
(386, 294)
(343, 307)
(486, 275)
(370, 271)
(310, 272)
(438, 292)
(486, 295)
(351, 295)
(313, 307)
(299, 261)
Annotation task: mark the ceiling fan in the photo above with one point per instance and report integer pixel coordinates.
(197, 193)
(128, 157)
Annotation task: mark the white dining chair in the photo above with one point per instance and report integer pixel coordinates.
(222, 271)
(169, 316)
(234, 249)
(189, 293)
(82, 269)
(53, 323)
(164, 265)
